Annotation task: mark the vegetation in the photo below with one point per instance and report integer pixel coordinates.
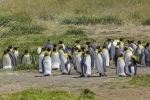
(36, 94)
(140, 80)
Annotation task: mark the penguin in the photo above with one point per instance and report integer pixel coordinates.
(92, 55)
(41, 56)
(145, 56)
(49, 51)
(74, 58)
(106, 55)
(48, 45)
(120, 70)
(100, 63)
(78, 59)
(55, 59)
(112, 48)
(12, 56)
(16, 52)
(26, 58)
(61, 44)
(121, 44)
(46, 65)
(131, 67)
(39, 49)
(107, 44)
(133, 45)
(65, 64)
(6, 61)
(118, 51)
(86, 65)
(140, 48)
(93, 45)
(76, 45)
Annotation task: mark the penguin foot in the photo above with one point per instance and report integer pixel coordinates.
(81, 76)
(100, 74)
(47, 75)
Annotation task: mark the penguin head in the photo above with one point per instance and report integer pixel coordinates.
(26, 52)
(54, 45)
(77, 41)
(121, 55)
(97, 47)
(5, 52)
(54, 49)
(48, 49)
(60, 42)
(121, 39)
(10, 47)
(109, 39)
(125, 48)
(139, 42)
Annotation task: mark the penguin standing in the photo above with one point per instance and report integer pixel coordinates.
(112, 48)
(100, 63)
(6, 61)
(118, 52)
(108, 44)
(12, 56)
(120, 70)
(55, 59)
(86, 65)
(74, 58)
(16, 52)
(93, 45)
(65, 64)
(127, 58)
(26, 58)
(145, 56)
(46, 65)
(39, 49)
(78, 59)
(106, 55)
(41, 56)
(140, 48)
(132, 66)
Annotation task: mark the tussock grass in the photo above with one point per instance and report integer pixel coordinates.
(85, 20)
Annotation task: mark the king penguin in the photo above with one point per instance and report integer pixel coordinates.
(78, 59)
(74, 57)
(46, 65)
(41, 56)
(106, 55)
(6, 61)
(55, 59)
(26, 58)
(140, 48)
(12, 56)
(16, 52)
(120, 70)
(100, 63)
(86, 65)
(65, 64)
(39, 49)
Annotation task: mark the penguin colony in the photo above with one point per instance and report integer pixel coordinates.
(84, 57)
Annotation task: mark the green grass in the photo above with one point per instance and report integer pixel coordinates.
(140, 80)
(37, 94)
